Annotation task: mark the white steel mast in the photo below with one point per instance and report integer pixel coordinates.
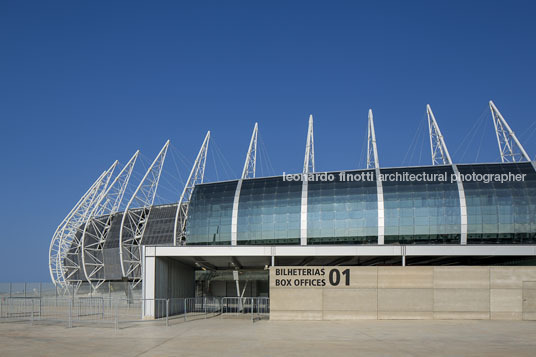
(136, 217)
(509, 146)
(97, 227)
(440, 153)
(251, 158)
(309, 161)
(196, 176)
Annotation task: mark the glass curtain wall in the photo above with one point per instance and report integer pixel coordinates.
(421, 212)
(343, 212)
(269, 211)
(210, 214)
(503, 213)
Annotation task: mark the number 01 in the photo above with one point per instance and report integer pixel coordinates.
(335, 277)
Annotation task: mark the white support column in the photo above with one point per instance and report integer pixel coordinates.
(303, 216)
(250, 166)
(196, 176)
(149, 281)
(308, 167)
(234, 218)
(373, 162)
(136, 217)
(381, 211)
(463, 207)
(441, 156)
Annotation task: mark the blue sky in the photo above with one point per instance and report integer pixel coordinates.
(85, 83)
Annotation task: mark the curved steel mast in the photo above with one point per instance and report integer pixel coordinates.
(54, 264)
(71, 242)
(196, 176)
(136, 217)
(65, 244)
(97, 227)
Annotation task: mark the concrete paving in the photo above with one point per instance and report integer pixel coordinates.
(236, 337)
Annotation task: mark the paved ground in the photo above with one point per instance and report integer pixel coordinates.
(229, 337)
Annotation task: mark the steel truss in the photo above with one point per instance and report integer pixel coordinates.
(65, 241)
(510, 148)
(372, 149)
(72, 241)
(196, 176)
(251, 158)
(440, 153)
(309, 161)
(136, 217)
(98, 226)
(54, 261)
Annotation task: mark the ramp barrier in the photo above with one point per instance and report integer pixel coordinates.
(122, 312)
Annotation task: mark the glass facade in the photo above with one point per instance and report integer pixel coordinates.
(343, 212)
(503, 213)
(210, 214)
(269, 211)
(346, 212)
(421, 212)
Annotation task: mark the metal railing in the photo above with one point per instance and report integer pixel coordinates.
(201, 307)
(256, 308)
(81, 310)
(110, 289)
(119, 312)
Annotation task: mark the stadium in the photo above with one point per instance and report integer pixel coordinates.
(221, 238)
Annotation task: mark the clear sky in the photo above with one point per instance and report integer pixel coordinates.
(83, 83)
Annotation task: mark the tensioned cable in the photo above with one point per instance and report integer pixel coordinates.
(218, 154)
(214, 161)
(482, 134)
(528, 133)
(267, 156)
(363, 154)
(424, 119)
(478, 129)
(265, 167)
(471, 131)
(231, 173)
(411, 144)
(260, 162)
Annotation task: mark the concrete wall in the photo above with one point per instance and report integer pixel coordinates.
(442, 292)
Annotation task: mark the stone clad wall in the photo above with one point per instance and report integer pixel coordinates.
(425, 292)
